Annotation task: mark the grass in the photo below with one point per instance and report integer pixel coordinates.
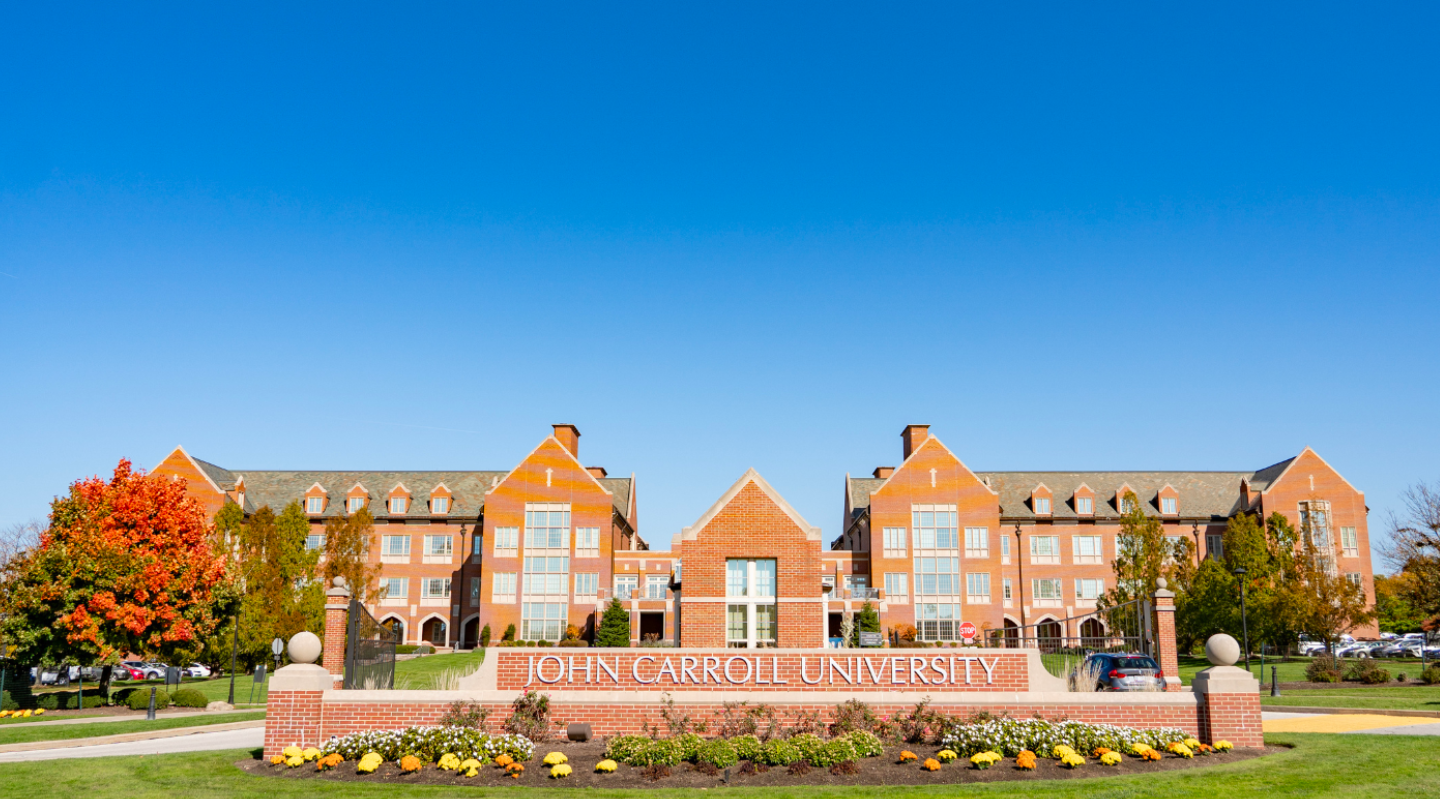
(434, 671)
(1294, 670)
(1318, 765)
(1417, 698)
(56, 717)
(65, 732)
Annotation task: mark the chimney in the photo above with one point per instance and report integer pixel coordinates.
(913, 435)
(569, 437)
(596, 472)
(884, 472)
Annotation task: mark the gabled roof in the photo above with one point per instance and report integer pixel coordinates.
(750, 476)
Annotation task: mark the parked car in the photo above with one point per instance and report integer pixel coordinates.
(1125, 672)
(197, 670)
(48, 675)
(148, 671)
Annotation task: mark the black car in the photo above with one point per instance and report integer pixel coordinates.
(1125, 672)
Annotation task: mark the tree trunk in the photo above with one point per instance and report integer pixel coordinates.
(105, 674)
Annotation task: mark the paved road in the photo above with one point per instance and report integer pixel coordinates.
(1279, 721)
(199, 742)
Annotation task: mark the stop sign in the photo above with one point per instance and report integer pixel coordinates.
(967, 630)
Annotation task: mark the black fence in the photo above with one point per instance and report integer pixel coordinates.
(1064, 643)
(369, 651)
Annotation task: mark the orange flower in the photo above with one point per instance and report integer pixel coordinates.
(907, 756)
(1151, 754)
(277, 760)
(504, 760)
(514, 770)
(410, 763)
(1026, 759)
(930, 764)
(1101, 751)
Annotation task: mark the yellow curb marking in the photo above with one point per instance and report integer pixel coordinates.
(1341, 723)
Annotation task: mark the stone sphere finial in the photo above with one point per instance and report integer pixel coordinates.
(304, 647)
(1161, 583)
(1222, 650)
(338, 582)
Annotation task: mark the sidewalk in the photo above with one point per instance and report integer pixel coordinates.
(251, 738)
(1360, 723)
(131, 737)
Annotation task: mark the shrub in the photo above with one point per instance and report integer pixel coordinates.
(834, 752)
(48, 702)
(1010, 736)
(1430, 676)
(430, 743)
(747, 747)
(189, 697)
(916, 726)
(807, 745)
(623, 748)
(866, 743)
(1324, 668)
(780, 753)
(708, 769)
(465, 714)
(718, 752)
(614, 625)
(509, 634)
(1400, 677)
(405, 649)
(689, 744)
(140, 699)
(852, 715)
(484, 636)
(531, 717)
(573, 642)
(1367, 671)
(799, 768)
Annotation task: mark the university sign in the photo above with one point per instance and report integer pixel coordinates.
(782, 670)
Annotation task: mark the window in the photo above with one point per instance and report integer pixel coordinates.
(1089, 589)
(626, 586)
(1004, 549)
(1087, 549)
(502, 587)
(655, 585)
(1356, 579)
(1167, 506)
(1044, 549)
(395, 546)
(1315, 517)
(751, 624)
(354, 504)
(827, 584)
(1085, 506)
(1215, 544)
(1045, 589)
(474, 591)
(895, 542)
(475, 544)
(547, 525)
(394, 587)
(937, 576)
(439, 545)
(1042, 506)
(315, 541)
(546, 576)
(507, 539)
(1127, 504)
(935, 526)
(439, 505)
(896, 585)
(977, 588)
(435, 587)
(977, 542)
(1173, 547)
(857, 586)
(542, 621)
(1005, 589)
(937, 622)
(1349, 542)
(587, 584)
(398, 504)
(587, 542)
(314, 504)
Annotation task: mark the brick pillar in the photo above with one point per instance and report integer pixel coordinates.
(1165, 636)
(1229, 706)
(337, 613)
(292, 711)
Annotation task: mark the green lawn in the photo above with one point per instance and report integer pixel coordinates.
(65, 732)
(1319, 765)
(1294, 670)
(43, 717)
(432, 671)
(1417, 698)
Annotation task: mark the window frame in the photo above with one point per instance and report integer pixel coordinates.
(972, 597)
(751, 607)
(1050, 558)
(890, 536)
(507, 541)
(980, 535)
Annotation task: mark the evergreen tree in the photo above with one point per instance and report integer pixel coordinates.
(509, 633)
(485, 636)
(867, 620)
(614, 626)
(347, 553)
(1142, 555)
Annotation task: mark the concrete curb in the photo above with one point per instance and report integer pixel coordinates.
(1350, 711)
(116, 718)
(130, 737)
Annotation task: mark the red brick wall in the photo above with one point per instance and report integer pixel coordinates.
(1231, 717)
(293, 718)
(1165, 639)
(176, 465)
(333, 651)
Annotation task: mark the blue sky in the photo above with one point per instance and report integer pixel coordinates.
(361, 236)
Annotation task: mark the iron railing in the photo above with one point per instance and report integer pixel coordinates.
(369, 651)
(1065, 643)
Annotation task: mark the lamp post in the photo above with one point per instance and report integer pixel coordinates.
(1020, 561)
(1244, 621)
(234, 645)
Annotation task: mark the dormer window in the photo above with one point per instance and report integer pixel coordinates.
(1168, 505)
(1042, 506)
(440, 505)
(314, 504)
(1085, 506)
(1127, 504)
(354, 504)
(397, 504)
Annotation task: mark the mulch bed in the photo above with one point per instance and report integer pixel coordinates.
(872, 771)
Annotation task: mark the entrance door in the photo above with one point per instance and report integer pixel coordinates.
(435, 631)
(470, 633)
(652, 626)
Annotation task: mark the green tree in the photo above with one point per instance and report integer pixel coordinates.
(614, 626)
(1326, 604)
(347, 553)
(1393, 609)
(867, 620)
(485, 636)
(1142, 555)
(1209, 605)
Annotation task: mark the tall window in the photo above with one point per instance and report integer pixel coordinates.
(1005, 589)
(442, 545)
(546, 576)
(1045, 589)
(435, 588)
(542, 621)
(1042, 506)
(1315, 517)
(547, 525)
(1084, 506)
(1215, 544)
(474, 591)
(475, 543)
(935, 526)
(587, 542)
(1087, 549)
(395, 546)
(587, 584)
(1356, 579)
(655, 585)
(1044, 549)
(1005, 549)
(1349, 542)
(1089, 589)
(314, 504)
(1168, 506)
(398, 504)
(626, 586)
(502, 587)
(315, 541)
(394, 587)
(439, 505)
(750, 609)
(1127, 504)
(507, 541)
(977, 588)
(977, 542)
(937, 622)
(937, 576)
(354, 504)
(895, 542)
(896, 586)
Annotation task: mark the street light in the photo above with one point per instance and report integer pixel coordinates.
(1244, 622)
(235, 645)
(1020, 561)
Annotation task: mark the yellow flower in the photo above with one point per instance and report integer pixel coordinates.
(310, 753)
(1224, 746)
(946, 755)
(1061, 751)
(295, 760)
(1139, 749)
(606, 766)
(1072, 760)
(1110, 758)
(559, 770)
(1182, 750)
(469, 767)
(369, 763)
(555, 758)
(449, 762)
(292, 751)
(1192, 743)
(39, 711)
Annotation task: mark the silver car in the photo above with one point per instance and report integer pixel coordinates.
(1125, 672)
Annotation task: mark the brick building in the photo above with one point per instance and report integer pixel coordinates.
(929, 543)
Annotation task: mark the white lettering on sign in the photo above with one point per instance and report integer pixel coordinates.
(753, 670)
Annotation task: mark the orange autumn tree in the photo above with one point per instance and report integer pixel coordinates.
(125, 567)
